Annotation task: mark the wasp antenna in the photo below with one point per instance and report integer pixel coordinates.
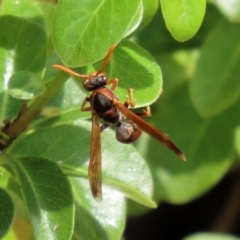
(106, 59)
(67, 70)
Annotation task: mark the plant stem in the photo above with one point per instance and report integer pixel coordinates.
(25, 118)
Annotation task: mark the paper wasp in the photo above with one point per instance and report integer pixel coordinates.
(106, 107)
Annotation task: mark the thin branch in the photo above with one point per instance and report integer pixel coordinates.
(28, 114)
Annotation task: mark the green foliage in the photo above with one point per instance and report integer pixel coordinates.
(183, 18)
(80, 26)
(215, 86)
(43, 173)
(7, 212)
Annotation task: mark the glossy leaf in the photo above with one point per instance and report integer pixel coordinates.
(215, 87)
(25, 85)
(6, 213)
(22, 47)
(212, 236)
(122, 166)
(83, 31)
(48, 197)
(25, 42)
(183, 18)
(105, 220)
(135, 68)
(207, 144)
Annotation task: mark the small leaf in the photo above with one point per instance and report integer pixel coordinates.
(25, 85)
(50, 112)
(83, 31)
(183, 18)
(136, 68)
(48, 197)
(6, 213)
(215, 87)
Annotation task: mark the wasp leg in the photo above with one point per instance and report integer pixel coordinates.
(83, 108)
(130, 103)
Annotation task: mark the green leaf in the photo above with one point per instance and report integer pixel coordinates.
(150, 7)
(23, 8)
(105, 220)
(83, 31)
(215, 87)
(22, 48)
(25, 42)
(122, 167)
(183, 18)
(212, 236)
(157, 40)
(230, 9)
(135, 209)
(6, 213)
(48, 197)
(207, 144)
(135, 68)
(25, 85)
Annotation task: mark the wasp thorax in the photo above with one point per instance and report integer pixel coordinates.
(95, 82)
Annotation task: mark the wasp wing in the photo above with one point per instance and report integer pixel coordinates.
(152, 131)
(95, 168)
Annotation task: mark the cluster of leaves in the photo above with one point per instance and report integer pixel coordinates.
(43, 174)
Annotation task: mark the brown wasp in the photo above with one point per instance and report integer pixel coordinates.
(105, 106)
